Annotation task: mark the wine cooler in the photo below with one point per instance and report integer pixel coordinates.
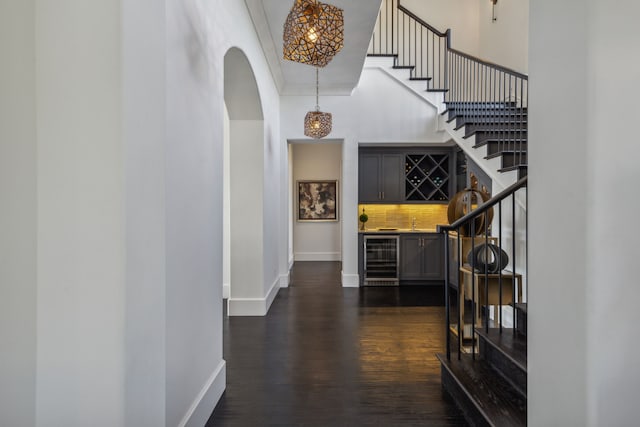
(381, 262)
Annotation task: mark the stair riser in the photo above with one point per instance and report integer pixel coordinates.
(495, 147)
(492, 122)
(471, 413)
(481, 105)
(515, 129)
(505, 366)
(486, 115)
(482, 136)
(511, 159)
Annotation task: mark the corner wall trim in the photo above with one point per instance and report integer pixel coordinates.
(253, 306)
(350, 280)
(226, 289)
(205, 402)
(271, 295)
(284, 280)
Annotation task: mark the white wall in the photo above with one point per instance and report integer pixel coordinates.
(505, 41)
(226, 223)
(582, 293)
(380, 110)
(461, 16)
(111, 181)
(81, 240)
(612, 154)
(144, 143)
(18, 216)
(246, 195)
(316, 241)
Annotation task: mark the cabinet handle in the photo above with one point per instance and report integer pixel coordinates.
(383, 195)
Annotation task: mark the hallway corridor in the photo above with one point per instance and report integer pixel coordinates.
(332, 356)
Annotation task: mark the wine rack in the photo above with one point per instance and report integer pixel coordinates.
(427, 177)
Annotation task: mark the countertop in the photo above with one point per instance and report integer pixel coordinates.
(396, 231)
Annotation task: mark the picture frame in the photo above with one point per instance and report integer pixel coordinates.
(317, 200)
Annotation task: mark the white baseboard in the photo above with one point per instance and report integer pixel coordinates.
(226, 290)
(318, 256)
(291, 259)
(350, 280)
(206, 400)
(253, 306)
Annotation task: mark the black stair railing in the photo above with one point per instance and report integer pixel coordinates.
(415, 44)
(491, 98)
(484, 96)
(462, 277)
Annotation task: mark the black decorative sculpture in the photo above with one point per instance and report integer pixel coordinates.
(488, 258)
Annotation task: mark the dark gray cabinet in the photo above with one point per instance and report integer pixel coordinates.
(421, 256)
(380, 177)
(405, 175)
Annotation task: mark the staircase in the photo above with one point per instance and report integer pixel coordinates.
(491, 388)
(484, 368)
(484, 105)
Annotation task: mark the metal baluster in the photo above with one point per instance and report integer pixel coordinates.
(446, 293)
(473, 289)
(500, 272)
(513, 255)
(460, 302)
(486, 270)
(393, 48)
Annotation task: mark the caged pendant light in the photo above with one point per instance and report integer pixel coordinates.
(313, 33)
(317, 124)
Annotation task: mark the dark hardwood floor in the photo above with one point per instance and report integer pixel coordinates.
(332, 356)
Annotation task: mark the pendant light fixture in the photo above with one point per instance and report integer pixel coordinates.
(313, 33)
(317, 124)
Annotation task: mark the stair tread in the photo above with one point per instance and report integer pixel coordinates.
(404, 67)
(512, 168)
(507, 153)
(512, 346)
(496, 132)
(437, 90)
(420, 78)
(492, 395)
(382, 55)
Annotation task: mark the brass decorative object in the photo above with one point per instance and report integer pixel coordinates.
(464, 202)
(317, 124)
(313, 33)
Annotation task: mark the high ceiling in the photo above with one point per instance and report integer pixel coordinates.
(341, 75)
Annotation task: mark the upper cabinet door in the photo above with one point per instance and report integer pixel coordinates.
(369, 172)
(392, 178)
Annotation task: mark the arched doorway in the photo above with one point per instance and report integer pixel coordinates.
(243, 184)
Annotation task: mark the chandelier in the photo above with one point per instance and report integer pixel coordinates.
(317, 124)
(313, 33)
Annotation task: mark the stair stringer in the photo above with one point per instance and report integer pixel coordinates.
(402, 75)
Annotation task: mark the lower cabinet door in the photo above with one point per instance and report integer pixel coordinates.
(432, 259)
(410, 257)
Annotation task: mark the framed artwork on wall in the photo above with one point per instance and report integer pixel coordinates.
(318, 200)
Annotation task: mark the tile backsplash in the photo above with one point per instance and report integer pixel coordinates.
(399, 216)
